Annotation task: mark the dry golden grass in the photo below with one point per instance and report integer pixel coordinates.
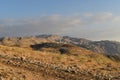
(81, 58)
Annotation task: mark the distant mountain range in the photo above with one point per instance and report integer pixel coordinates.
(109, 48)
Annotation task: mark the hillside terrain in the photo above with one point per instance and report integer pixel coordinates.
(109, 48)
(52, 57)
(79, 64)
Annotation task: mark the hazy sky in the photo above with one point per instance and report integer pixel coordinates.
(91, 19)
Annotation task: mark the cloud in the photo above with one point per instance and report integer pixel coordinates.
(45, 24)
(89, 25)
(103, 17)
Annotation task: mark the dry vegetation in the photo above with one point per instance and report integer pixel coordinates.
(81, 64)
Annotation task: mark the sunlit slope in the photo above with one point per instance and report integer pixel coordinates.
(44, 64)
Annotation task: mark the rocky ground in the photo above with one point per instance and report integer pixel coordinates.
(24, 64)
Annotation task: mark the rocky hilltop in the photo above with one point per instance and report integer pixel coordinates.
(18, 63)
(110, 48)
(53, 57)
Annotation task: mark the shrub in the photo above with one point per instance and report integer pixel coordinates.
(64, 50)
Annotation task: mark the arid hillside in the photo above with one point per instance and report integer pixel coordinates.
(109, 48)
(47, 62)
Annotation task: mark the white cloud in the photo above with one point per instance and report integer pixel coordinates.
(88, 25)
(103, 17)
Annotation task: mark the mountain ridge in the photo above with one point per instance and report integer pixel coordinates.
(109, 48)
(54, 58)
